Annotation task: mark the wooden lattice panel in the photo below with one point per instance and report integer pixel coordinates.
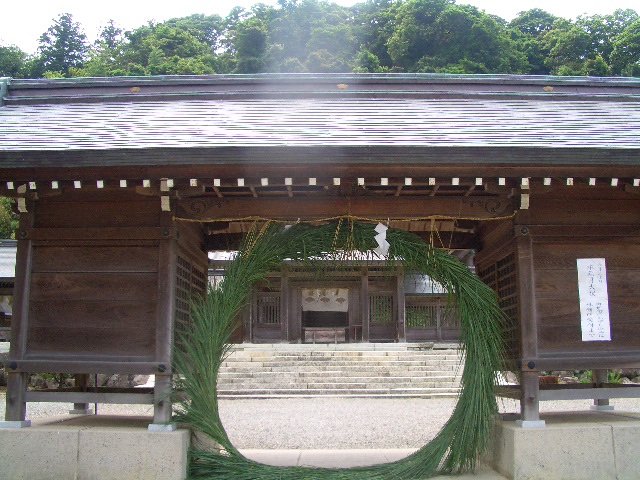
(268, 308)
(381, 309)
(501, 277)
(191, 282)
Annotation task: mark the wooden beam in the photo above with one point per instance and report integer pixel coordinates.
(280, 162)
(90, 397)
(214, 209)
(108, 233)
(86, 364)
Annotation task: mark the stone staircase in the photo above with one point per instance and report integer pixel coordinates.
(357, 369)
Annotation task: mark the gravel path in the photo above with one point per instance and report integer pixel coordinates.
(329, 423)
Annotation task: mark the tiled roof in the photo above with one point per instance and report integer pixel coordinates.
(191, 120)
(309, 122)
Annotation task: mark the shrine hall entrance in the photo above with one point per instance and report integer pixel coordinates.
(376, 305)
(324, 316)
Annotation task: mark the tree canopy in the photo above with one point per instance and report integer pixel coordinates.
(321, 36)
(8, 218)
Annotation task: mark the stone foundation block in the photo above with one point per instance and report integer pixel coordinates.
(572, 446)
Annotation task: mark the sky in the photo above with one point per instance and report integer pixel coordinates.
(22, 24)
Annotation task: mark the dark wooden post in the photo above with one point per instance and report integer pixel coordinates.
(601, 376)
(529, 388)
(288, 332)
(16, 407)
(364, 304)
(402, 337)
(82, 382)
(165, 325)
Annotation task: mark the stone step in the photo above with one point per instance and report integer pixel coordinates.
(323, 379)
(374, 346)
(293, 392)
(347, 369)
(297, 374)
(346, 361)
(349, 354)
(339, 366)
(338, 386)
(390, 354)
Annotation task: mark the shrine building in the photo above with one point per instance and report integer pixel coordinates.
(126, 186)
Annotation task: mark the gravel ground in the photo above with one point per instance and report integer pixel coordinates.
(329, 423)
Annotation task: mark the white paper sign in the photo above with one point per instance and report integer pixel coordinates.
(594, 300)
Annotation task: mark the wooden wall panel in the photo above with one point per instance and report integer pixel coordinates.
(105, 313)
(135, 343)
(563, 256)
(585, 211)
(566, 311)
(94, 286)
(95, 297)
(88, 311)
(94, 258)
(108, 209)
(568, 340)
(557, 297)
(564, 283)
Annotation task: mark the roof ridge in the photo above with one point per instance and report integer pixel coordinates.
(287, 86)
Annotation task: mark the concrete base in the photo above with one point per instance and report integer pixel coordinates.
(81, 411)
(573, 446)
(602, 408)
(15, 424)
(93, 447)
(162, 427)
(531, 423)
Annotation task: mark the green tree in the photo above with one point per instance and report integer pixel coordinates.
(438, 35)
(603, 29)
(250, 41)
(534, 22)
(324, 61)
(171, 48)
(8, 218)
(12, 61)
(413, 36)
(337, 39)
(569, 47)
(104, 58)
(596, 67)
(63, 46)
(208, 29)
(367, 62)
(373, 24)
(300, 28)
(625, 57)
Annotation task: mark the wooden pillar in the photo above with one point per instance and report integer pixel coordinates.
(529, 388)
(288, 332)
(601, 376)
(364, 304)
(439, 309)
(81, 382)
(165, 324)
(402, 337)
(529, 398)
(16, 407)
